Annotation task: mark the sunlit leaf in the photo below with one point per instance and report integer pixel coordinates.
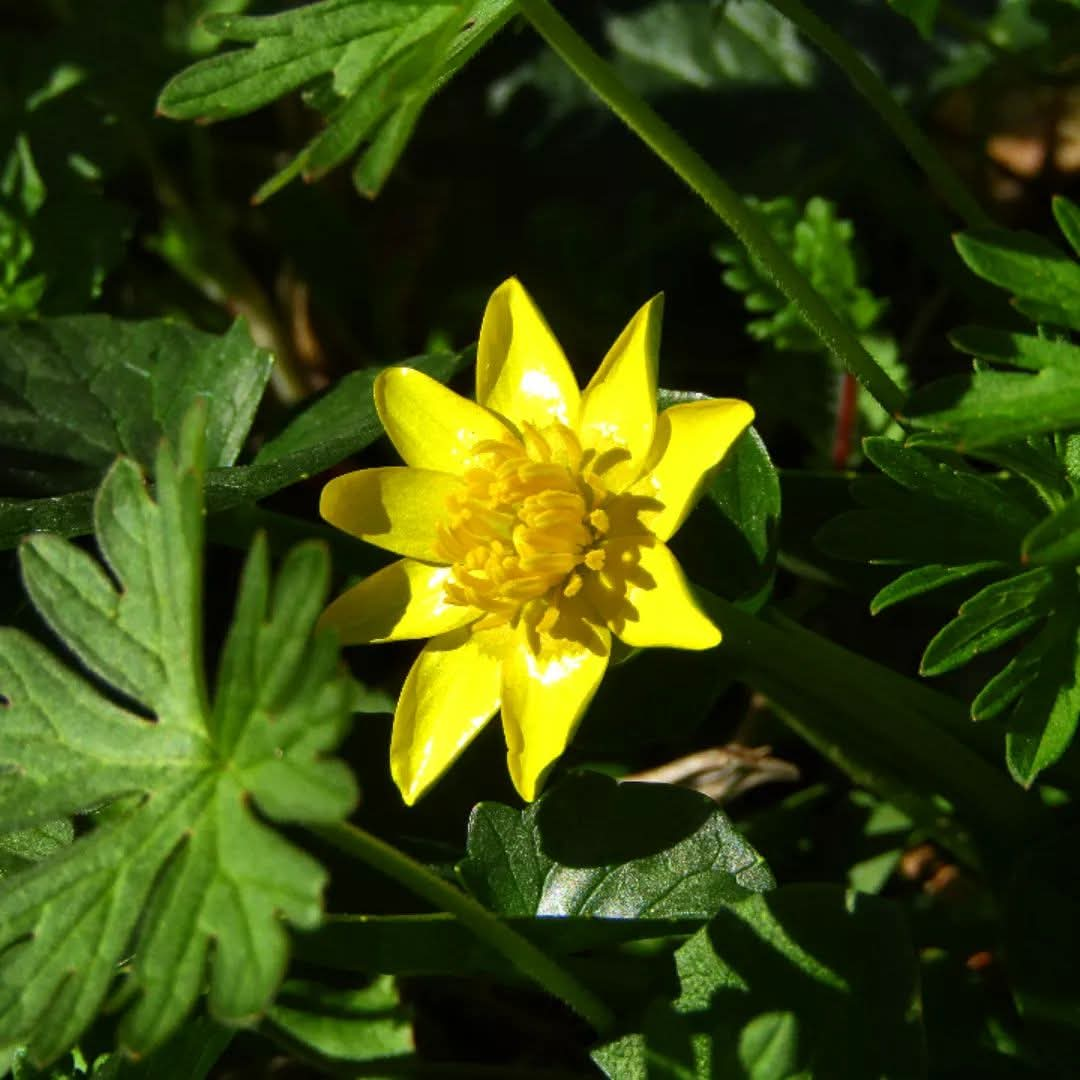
(649, 851)
(188, 874)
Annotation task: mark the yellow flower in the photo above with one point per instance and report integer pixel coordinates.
(532, 524)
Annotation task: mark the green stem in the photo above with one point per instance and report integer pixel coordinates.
(885, 730)
(523, 954)
(743, 221)
(949, 186)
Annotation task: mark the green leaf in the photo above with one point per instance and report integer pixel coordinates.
(972, 494)
(76, 392)
(822, 246)
(1067, 214)
(674, 45)
(1044, 281)
(644, 851)
(340, 423)
(1044, 720)
(925, 579)
(188, 875)
(926, 510)
(371, 65)
(1055, 539)
(20, 850)
(1005, 688)
(741, 518)
(805, 980)
(365, 1024)
(768, 1046)
(1011, 349)
(990, 407)
(923, 13)
(994, 615)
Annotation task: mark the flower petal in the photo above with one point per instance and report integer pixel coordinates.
(451, 692)
(403, 600)
(521, 370)
(543, 700)
(430, 425)
(691, 439)
(618, 407)
(395, 508)
(646, 599)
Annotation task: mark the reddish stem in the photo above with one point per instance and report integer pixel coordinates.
(845, 421)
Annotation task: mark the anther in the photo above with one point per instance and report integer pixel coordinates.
(595, 559)
(548, 620)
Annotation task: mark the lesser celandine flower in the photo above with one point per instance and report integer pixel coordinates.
(532, 524)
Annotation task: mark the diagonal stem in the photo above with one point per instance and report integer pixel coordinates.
(949, 185)
(521, 952)
(743, 221)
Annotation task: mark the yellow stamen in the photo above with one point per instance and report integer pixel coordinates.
(525, 528)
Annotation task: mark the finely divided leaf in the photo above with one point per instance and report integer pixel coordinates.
(188, 877)
(990, 407)
(1055, 539)
(953, 523)
(926, 579)
(993, 616)
(370, 65)
(822, 245)
(1044, 720)
(1044, 281)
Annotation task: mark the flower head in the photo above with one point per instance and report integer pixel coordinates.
(533, 525)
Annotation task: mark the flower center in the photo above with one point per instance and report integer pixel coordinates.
(530, 524)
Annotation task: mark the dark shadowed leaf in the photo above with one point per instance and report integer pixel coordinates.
(805, 980)
(340, 423)
(592, 846)
(76, 392)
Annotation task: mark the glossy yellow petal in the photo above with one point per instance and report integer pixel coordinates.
(430, 425)
(543, 700)
(451, 692)
(521, 370)
(395, 508)
(403, 600)
(691, 439)
(645, 599)
(618, 408)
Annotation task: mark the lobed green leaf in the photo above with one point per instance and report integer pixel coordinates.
(186, 872)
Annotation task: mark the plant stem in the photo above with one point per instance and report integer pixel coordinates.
(743, 221)
(887, 731)
(949, 186)
(522, 953)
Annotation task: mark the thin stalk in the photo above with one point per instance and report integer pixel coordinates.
(521, 952)
(865, 80)
(743, 221)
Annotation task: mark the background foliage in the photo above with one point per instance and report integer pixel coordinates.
(861, 860)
